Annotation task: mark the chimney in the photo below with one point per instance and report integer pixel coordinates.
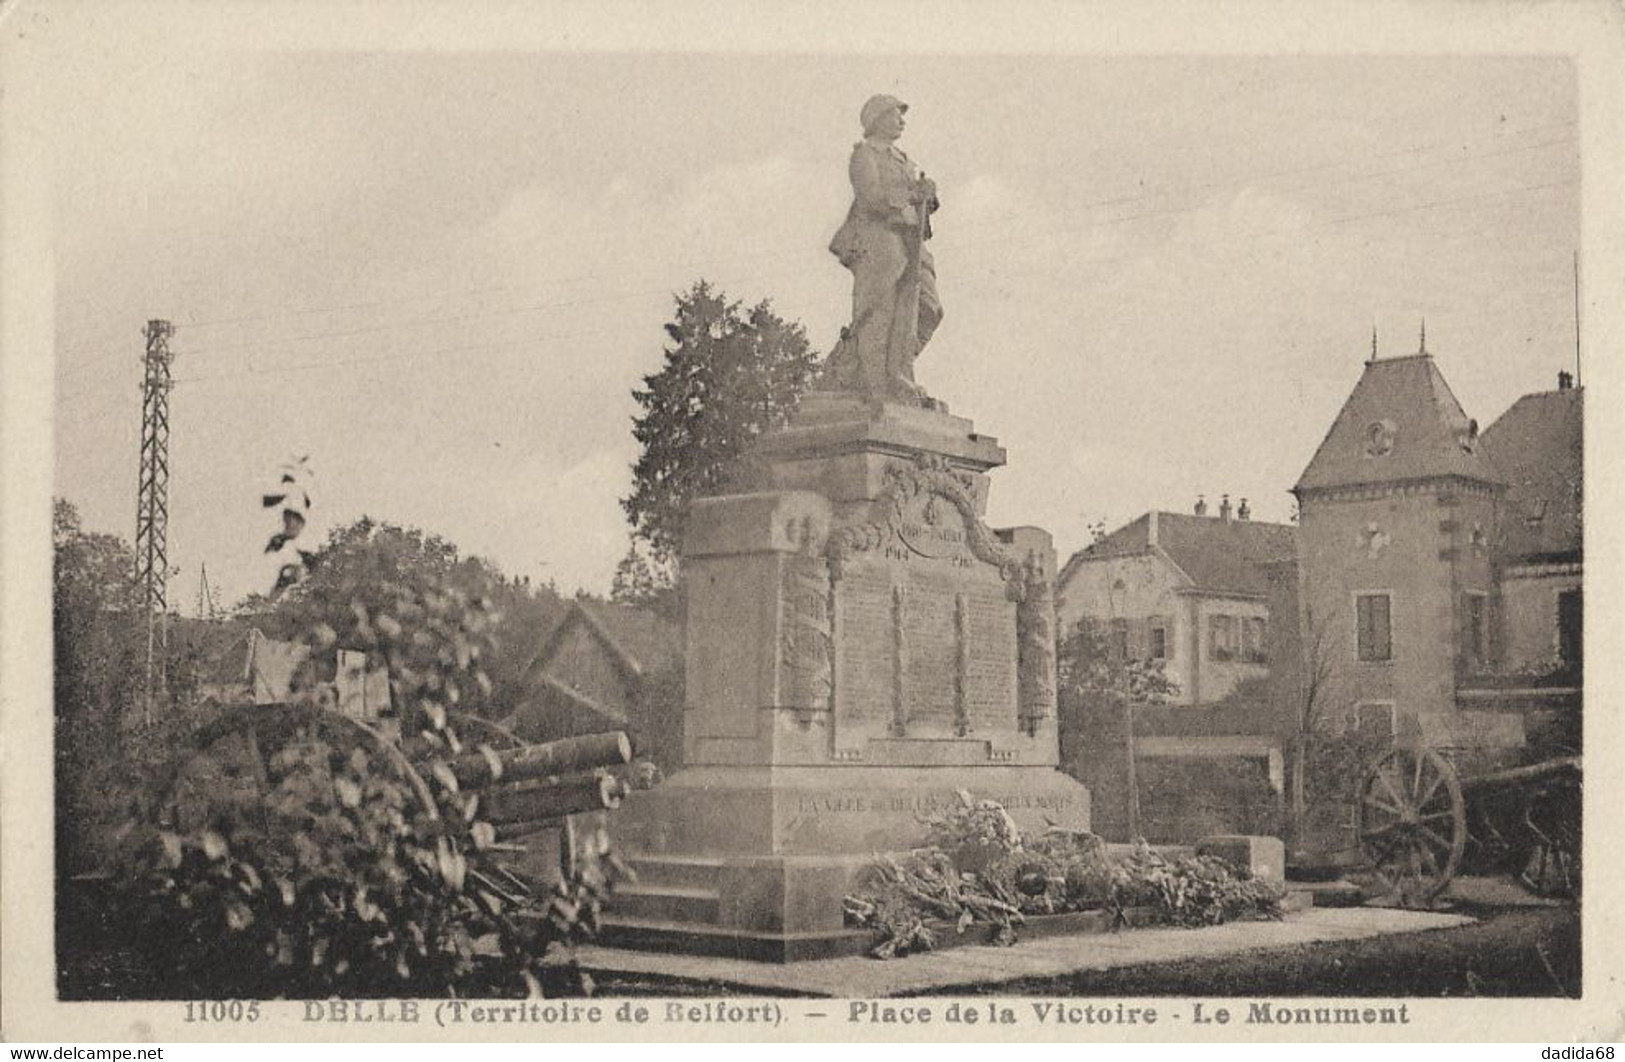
(1244, 513)
(1565, 381)
(1201, 505)
(1151, 528)
(1224, 508)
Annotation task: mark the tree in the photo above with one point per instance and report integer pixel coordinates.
(1092, 672)
(729, 374)
(369, 576)
(94, 600)
(1099, 689)
(1318, 763)
(636, 581)
(98, 629)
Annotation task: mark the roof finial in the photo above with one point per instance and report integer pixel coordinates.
(1373, 342)
(1424, 347)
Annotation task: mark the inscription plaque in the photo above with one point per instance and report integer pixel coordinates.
(864, 656)
(932, 653)
(990, 666)
(925, 646)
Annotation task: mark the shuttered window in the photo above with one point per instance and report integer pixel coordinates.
(1252, 639)
(1373, 627)
(1570, 639)
(1475, 644)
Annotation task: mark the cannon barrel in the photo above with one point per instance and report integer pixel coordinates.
(567, 756)
(507, 807)
(1534, 772)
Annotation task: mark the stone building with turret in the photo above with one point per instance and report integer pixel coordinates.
(1434, 559)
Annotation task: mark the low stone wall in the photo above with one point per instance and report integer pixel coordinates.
(1184, 799)
(1189, 788)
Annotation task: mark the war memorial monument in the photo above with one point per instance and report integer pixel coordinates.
(861, 647)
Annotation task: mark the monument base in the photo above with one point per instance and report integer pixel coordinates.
(860, 649)
(754, 862)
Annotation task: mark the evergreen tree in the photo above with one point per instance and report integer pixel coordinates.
(729, 374)
(636, 581)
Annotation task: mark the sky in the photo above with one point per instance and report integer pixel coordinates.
(441, 275)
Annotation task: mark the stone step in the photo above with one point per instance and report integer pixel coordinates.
(1331, 893)
(650, 934)
(685, 872)
(669, 903)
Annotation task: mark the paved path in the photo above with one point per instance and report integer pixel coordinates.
(1055, 956)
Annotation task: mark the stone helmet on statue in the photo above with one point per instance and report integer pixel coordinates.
(877, 107)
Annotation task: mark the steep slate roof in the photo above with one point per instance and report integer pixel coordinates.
(1429, 427)
(553, 710)
(1220, 556)
(637, 640)
(219, 646)
(641, 634)
(1537, 448)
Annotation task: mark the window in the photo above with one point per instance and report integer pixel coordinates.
(1119, 643)
(1570, 614)
(1475, 645)
(1159, 643)
(1222, 637)
(1372, 627)
(1252, 639)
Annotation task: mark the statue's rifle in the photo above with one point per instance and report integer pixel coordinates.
(922, 232)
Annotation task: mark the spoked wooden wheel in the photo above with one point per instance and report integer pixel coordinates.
(1412, 823)
(228, 767)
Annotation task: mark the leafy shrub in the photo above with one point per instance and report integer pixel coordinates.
(341, 880)
(343, 870)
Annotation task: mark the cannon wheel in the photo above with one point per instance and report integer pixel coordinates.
(224, 766)
(1412, 823)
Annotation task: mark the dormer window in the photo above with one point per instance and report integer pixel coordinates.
(1379, 438)
(1468, 436)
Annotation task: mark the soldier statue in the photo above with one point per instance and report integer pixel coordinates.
(894, 285)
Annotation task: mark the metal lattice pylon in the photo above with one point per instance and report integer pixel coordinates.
(152, 504)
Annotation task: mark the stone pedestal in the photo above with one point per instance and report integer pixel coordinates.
(860, 648)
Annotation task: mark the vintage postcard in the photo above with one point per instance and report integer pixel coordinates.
(861, 522)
